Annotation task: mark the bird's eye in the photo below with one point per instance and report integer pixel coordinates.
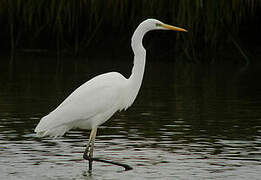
(158, 24)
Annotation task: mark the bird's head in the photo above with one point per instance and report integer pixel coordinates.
(154, 24)
(146, 26)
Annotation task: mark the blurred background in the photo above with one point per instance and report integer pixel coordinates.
(197, 115)
(61, 26)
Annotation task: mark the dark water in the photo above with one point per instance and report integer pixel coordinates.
(189, 122)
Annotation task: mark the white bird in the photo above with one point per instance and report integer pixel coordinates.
(94, 102)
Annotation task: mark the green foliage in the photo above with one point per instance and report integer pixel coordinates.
(74, 24)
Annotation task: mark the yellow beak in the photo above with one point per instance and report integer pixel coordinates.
(173, 28)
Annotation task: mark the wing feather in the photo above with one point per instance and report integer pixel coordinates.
(92, 98)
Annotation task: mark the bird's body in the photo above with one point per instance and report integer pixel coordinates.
(88, 106)
(98, 99)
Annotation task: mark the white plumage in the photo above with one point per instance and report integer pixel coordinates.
(88, 106)
(97, 100)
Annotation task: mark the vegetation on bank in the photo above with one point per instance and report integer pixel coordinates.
(74, 26)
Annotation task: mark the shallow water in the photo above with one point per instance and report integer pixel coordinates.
(189, 122)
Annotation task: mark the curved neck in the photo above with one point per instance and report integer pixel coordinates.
(139, 55)
(135, 80)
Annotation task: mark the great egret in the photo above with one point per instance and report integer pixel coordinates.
(98, 99)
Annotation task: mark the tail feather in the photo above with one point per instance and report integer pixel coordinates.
(54, 132)
(46, 127)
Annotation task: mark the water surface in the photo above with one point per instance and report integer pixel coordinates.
(189, 122)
